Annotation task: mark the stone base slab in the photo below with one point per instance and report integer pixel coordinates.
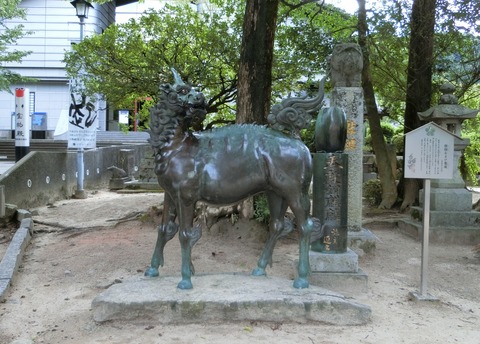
(448, 199)
(417, 296)
(334, 262)
(467, 235)
(447, 218)
(362, 238)
(348, 283)
(223, 298)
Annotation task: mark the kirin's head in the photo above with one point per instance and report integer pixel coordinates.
(184, 99)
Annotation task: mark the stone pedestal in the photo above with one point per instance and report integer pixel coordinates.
(334, 262)
(330, 199)
(338, 271)
(350, 99)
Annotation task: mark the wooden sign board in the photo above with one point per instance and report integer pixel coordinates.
(429, 153)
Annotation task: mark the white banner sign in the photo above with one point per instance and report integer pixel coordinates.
(22, 118)
(82, 124)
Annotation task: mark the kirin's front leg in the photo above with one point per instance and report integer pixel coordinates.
(188, 236)
(166, 231)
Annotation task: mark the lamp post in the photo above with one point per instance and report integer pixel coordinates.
(82, 7)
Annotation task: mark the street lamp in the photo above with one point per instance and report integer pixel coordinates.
(82, 7)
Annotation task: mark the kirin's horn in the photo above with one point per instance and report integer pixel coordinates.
(176, 76)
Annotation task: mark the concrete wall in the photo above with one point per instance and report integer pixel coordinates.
(45, 177)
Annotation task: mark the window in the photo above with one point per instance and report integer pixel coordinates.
(31, 103)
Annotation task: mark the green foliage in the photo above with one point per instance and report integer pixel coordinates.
(372, 192)
(392, 132)
(470, 163)
(456, 54)
(130, 60)
(308, 137)
(388, 41)
(305, 37)
(261, 212)
(399, 141)
(9, 35)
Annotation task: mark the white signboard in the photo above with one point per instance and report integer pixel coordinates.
(22, 118)
(429, 153)
(82, 124)
(123, 116)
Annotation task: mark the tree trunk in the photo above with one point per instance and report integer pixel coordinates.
(382, 156)
(419, 77)
(255, 70)
(256, 59)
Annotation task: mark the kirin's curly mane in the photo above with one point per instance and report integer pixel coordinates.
(171, 114)
(163, 120)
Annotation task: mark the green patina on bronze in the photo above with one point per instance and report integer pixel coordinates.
(227, 165)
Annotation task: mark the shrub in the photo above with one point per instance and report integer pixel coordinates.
(261, 212)
(372, 192)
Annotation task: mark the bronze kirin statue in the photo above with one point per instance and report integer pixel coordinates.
(226, 165)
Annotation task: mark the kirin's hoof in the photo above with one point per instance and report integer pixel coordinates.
(301, 283)
(151, 272)
(259, 272)
(185, 284)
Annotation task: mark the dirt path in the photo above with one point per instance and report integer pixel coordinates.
(78, 251)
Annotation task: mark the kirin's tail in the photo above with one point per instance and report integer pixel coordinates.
(294, 114)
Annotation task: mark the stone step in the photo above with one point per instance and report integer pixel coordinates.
(446, 218)
(466, 235)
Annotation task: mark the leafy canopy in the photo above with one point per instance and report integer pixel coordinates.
(129, 61)
(456, 49)
(9, 34)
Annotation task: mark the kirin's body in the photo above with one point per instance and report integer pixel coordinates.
(223, 166)
(229, 164)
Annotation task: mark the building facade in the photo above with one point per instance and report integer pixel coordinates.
(54, 27)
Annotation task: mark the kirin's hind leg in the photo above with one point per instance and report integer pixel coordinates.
(277, 228)
(300, 207)
(166, 231)
(188, 236)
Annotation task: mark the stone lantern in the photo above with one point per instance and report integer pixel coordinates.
(451, 215)
(448, 113)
